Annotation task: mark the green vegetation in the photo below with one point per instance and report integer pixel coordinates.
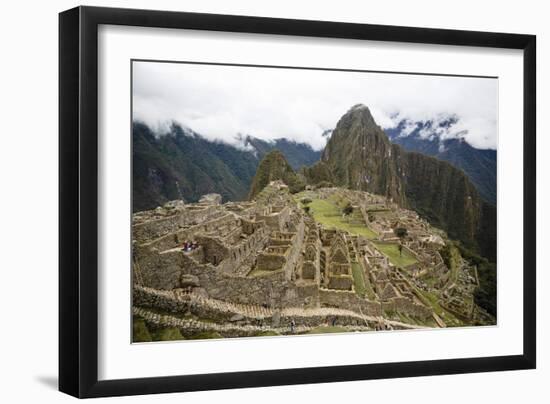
(206, 335)
(140, 333)
(405, 318)
(183, 164)
(275, 167)
(486, 294)
(324, 184)
(167, 334)
(318, 174)
(432, 300)
(369, 289)
(480, 165)
(400, 232)
(362, 283)
(402, 259)
(451, 257)
(180, 165)
(358, 279)
(348, 209)
(268, 333)
(326, 330)
(329, 215)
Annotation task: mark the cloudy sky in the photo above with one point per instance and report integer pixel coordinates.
(221, 102)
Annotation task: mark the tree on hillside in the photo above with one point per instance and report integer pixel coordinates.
(400, 232)
(348, 209)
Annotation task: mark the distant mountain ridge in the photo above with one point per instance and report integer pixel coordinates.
(298, 155)
(480, 165)
(181, 164)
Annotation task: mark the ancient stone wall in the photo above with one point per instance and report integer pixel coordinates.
(309, 270)
(340, 282)
(406, 306)
(349, 301)
(154, 229)
(173, 239)
(163, 271)
(270, 261)
(295, 251)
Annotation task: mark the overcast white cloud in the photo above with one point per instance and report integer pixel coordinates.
(221, 102)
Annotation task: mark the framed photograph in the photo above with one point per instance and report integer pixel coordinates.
(251, 201)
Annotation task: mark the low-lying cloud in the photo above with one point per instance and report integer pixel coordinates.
(225, 102)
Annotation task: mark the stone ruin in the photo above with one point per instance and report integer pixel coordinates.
(268, 256)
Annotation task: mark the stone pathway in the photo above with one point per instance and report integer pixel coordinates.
(199, 326)
(260, 312)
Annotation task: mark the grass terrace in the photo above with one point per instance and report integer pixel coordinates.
(326, 330)
(362, 285)
(392, 252)
(328, 213)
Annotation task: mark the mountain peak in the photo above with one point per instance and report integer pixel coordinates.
(360, 107)
(358, 115)
(274, 167)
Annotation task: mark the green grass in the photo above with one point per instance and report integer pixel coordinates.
(267, 333)
(206, 335)
(329, 215)
(429, 322)
(167, 334)
(326, 330)
(392, 252)
(430, 299)
(447, 317)
(369, 289)
(358, 279)
(140, 333)
(451, 256)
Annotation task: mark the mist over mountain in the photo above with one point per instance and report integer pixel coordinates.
(181, 164)
(431, 138)
(297, 154)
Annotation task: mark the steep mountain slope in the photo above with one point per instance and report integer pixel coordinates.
(360, 156)
(275, 167)
(183, 164)
(480, 165)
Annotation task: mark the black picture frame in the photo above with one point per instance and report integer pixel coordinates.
(78, 201)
